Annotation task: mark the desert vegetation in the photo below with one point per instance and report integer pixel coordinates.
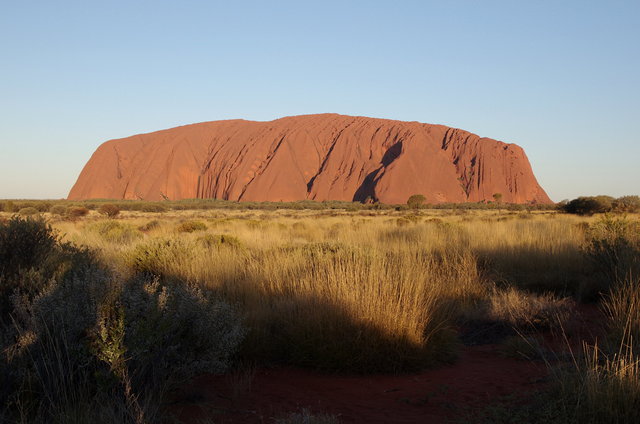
(105, 314)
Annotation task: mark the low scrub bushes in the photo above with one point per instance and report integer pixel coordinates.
(9, 206)
(191, 226)
(627, 204)
(115, 231)
(153, 207)
(526, 311)
(175, 330)
(604, 385)
(160, 256)
(216, 240)
(76, 212)
(28, 211)
(150, 226)
(30, 254)
(589, 205)
(622, 307)
(613, 246)
(59, 210)
(600, 387)
(85, 347)
(109, 209)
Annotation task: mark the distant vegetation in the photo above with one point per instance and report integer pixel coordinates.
(601, 204)
(586, 205)
(416, 202)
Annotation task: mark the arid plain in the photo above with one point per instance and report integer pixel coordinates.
(212, 311)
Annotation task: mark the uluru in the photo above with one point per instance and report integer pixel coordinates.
(317, 157)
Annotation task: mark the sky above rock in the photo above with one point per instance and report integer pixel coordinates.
(561, 79)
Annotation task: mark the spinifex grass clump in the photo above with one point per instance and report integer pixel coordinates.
(528, 311)
(191, 226)
(622, 307)
(356, 310)
(613, 246)
(115, 231)
(602, 387)
(218, 240)
(154, 224)
(160, 256)
(28, 211)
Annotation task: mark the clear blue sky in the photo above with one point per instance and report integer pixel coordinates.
(560, 78)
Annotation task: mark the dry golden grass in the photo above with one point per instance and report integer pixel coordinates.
(357, 291)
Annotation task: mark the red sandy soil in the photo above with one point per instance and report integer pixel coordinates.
(480, 377)
(316, 157)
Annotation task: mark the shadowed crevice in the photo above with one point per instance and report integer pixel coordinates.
(367, 189)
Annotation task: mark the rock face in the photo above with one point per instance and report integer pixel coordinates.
(318, 157)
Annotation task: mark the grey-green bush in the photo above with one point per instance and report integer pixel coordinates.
(83, 346)
(58, 210)
(115, 231)
(216, 240)
(28, 211)
(191, 226)
(153, 256)
(109, 209)
(613, 246)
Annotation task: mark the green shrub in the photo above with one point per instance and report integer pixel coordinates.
(613, 245)
(622, 308)
(153, 207)
(9, 206)
(75, 212)
(109, 209)
(24, 244)
(151, 225)
(175, 331)
(629, 204)
(403, 234)
(115, 232)
(216, 240)
(28, 211)
(153, 257)
(60, 210)
(30, 254)
(124, 344)
(589, 205)
(416, 201)
(42, 206)
(191, 226)
(32, 262)
(85, 347)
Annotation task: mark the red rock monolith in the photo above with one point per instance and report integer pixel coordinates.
(318, 157)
